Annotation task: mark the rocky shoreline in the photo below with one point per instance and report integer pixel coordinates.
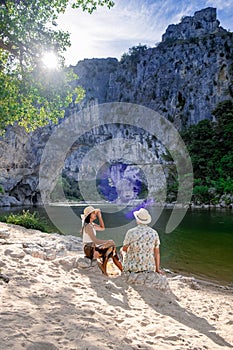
(225, 202)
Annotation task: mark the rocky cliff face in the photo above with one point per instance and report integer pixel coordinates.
(203, 22)
(20, 155)
(183, 79)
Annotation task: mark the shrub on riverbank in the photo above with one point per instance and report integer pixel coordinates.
(28, 220)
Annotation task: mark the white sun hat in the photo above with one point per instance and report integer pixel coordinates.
(142, 216)
(87, 211)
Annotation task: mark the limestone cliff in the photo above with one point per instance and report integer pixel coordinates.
(183, 78)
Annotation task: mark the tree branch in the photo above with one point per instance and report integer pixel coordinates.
(8, 47)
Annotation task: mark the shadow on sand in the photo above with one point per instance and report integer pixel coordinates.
(164, 303)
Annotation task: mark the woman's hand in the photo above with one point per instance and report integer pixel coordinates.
(101, 225)
(98, 212)
(110, 241)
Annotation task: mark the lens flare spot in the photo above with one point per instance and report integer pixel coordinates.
(50, 60)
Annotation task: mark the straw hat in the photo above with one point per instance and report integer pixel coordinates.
(142, 216)
(87, 211)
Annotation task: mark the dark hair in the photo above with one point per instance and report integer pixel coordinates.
(86, 221)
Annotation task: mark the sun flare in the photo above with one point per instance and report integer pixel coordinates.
(50, 60)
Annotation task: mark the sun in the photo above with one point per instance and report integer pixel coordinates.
(50, 60)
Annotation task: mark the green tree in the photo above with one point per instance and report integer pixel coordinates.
(223, 156)
(223, 128)
(200, 142)
(132, 58)
(134, 52)
(210, 147)
(30, 94)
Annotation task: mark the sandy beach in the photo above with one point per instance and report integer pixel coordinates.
(52, 301)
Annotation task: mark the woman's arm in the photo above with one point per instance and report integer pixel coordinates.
(89, 231)
(101, 226)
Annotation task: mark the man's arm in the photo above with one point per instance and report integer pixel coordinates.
(157, 260)
(125, 248)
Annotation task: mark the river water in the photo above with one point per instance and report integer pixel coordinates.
(201, 246)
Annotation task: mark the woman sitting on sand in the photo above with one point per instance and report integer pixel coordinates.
(95, 248)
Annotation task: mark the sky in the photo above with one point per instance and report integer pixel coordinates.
(110, 33)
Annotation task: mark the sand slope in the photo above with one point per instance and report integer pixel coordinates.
(51, 303)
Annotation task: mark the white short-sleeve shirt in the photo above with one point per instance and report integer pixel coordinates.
(141, 241)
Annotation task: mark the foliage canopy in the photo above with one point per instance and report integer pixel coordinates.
(210, 146)
(30, 94)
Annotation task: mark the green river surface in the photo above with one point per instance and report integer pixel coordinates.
(201, 246)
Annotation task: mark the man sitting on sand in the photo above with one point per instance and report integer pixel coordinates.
(141, 254)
